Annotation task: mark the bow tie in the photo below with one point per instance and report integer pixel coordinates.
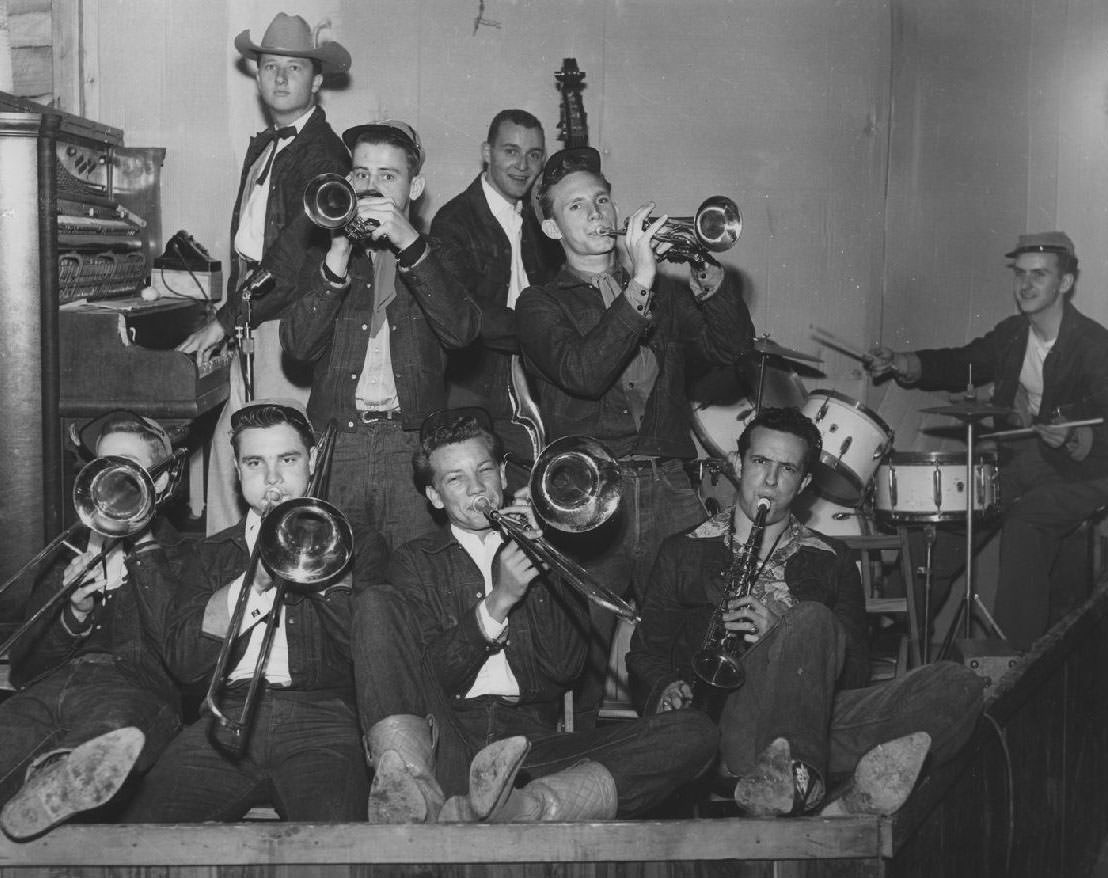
(274, 136)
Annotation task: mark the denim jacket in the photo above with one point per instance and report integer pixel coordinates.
(577, 350)
(330, 328)
(317, 624)
(135, 614)
(687, 584)
(545, 643)
(474, 248)
(1075, 377)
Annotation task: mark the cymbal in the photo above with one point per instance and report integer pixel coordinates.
(968, 409)
(765, 346)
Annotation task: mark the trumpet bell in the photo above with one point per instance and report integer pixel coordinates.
(575, 484)
(330, 201)
(718, 223)
(306, 541)
(114, 496)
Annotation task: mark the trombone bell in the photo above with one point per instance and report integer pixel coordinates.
(114, 496)
(306, 541)
(575, 484)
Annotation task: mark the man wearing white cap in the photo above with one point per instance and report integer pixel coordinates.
(1049, 363)
(269, 229)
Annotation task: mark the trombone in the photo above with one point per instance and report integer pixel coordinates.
(714, 228)
(305, 543)
(114, 497)
(575, 487)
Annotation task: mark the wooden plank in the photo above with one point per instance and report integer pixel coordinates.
(293, 843)
(32, 71)
(30, 29)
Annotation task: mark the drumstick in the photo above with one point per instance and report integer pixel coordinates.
(843, 347)
(1028, 431)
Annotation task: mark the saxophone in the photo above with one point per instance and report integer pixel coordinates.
(717, 663)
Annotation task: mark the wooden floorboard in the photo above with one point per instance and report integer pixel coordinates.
(293, 843)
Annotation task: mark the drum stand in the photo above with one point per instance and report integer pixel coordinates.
(972, 600)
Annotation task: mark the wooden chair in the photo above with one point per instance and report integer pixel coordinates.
(872, 549)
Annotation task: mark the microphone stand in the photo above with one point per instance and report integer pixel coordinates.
(257, 284)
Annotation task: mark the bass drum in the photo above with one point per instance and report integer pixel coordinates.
(831, 518)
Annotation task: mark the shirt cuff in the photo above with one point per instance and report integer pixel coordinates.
(413, 253)
(639, 297)
(74, 628)
(333, 280)
(494, 631)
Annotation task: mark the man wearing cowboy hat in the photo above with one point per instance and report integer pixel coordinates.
(269, 228)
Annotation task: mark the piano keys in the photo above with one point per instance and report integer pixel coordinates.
(120, 355)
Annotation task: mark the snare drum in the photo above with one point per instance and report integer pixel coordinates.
(931, 486)
(855, 440)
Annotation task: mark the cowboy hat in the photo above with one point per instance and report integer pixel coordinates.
(290, 35)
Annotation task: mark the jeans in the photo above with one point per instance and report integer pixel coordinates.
(790, 692)
(657, 501)
(81, 700)
(303, 756)
(648, 758)
(371, 482)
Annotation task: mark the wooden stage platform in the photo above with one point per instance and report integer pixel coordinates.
(1028, 797)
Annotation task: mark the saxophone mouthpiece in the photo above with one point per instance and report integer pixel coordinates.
(763, 504)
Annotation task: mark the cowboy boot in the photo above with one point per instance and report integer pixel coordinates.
(779, 786)
(883, 778)
(491, 776)
(585, 791)
(65, 783)
(401, 749)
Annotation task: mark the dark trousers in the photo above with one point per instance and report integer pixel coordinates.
(648, 758)
(371, 482)
(80, 700)
(303, 756)
(657, 502)
(790, 692)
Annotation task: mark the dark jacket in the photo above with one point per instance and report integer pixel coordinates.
(317, 624)
(330, 328)
(1075, 377)
(289, 236)
(546, 641)
(473, 247)
(687, 585)
(135, 615)
(578, 349)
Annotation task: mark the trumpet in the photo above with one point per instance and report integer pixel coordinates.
(714, 228)
(305, 543)
(575, 487)
(717, 662)
(331, 203)
(114, 497)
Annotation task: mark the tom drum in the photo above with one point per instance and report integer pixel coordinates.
(855, 440)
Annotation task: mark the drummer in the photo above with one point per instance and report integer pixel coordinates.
(1049, 364)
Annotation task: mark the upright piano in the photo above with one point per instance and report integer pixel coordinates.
(80, 223)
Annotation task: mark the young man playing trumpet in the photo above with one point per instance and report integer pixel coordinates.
(95, 700)
(611, 349)
(301, 752)
(375, 321)
(800, 722)
(472, 643)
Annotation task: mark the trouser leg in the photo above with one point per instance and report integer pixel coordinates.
(788, 693)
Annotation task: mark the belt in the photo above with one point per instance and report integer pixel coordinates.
(367, 417)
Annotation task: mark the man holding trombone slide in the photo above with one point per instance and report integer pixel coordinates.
(95, 699)
(298, 747)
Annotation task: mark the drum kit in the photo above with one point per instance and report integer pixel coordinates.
(861, 482)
